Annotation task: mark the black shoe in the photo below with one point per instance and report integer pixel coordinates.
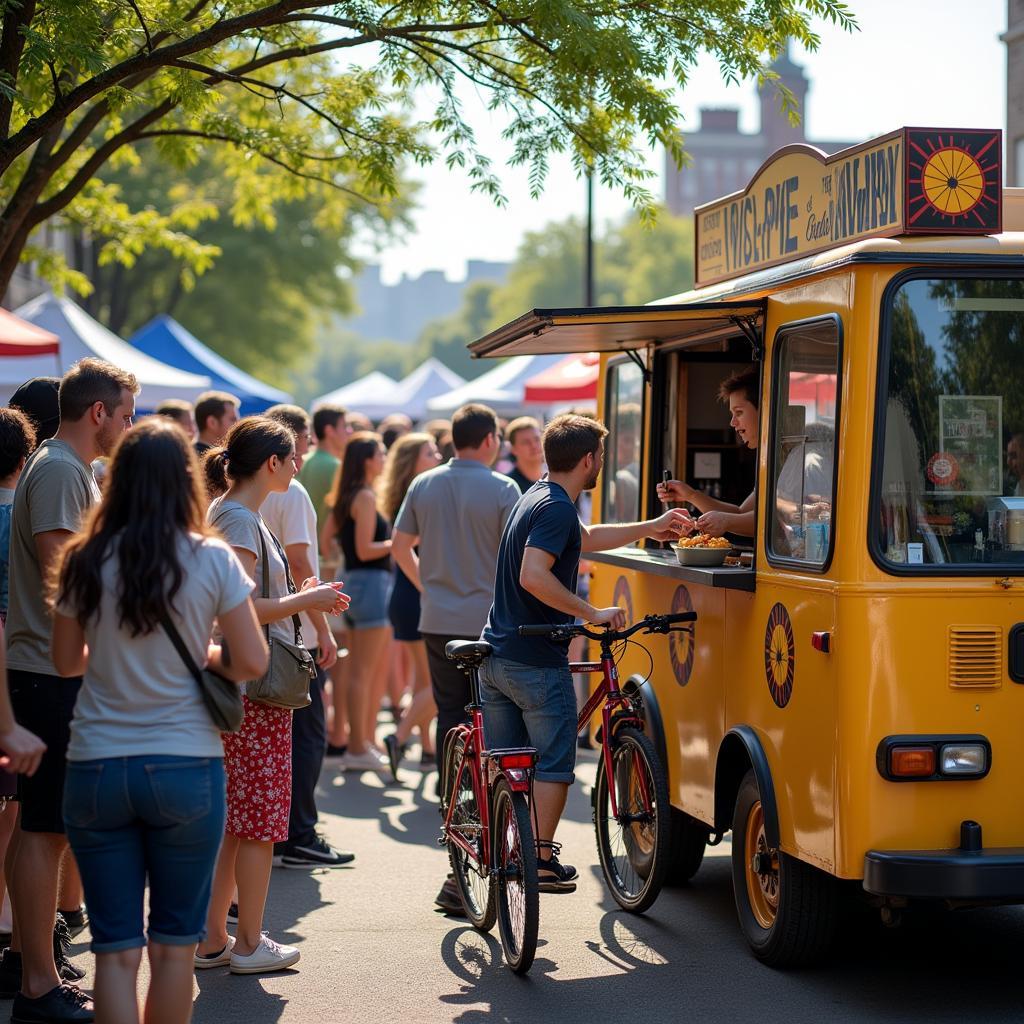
(394, 751)
(315, 854)
(10, 974)
(63, 1003)
(76, 920)
(449, 900)
(428, 761)
(335, 753)
(233, 914)
(555, 877)
(61, 947)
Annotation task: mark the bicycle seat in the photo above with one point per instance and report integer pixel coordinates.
(467, 652)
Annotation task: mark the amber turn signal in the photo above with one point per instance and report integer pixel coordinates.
(912, 762)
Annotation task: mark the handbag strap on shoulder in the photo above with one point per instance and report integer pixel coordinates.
(179, 645)
(296, 624)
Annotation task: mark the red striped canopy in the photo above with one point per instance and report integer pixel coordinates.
(573, 379)
(20, 338)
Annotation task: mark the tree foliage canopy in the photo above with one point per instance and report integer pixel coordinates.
(260, 89)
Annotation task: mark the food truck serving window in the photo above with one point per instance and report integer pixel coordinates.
(949, 448)
(624, 408)
(805, 393)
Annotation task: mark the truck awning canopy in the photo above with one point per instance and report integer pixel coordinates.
(618, 328)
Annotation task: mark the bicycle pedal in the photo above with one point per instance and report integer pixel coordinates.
(441, 840)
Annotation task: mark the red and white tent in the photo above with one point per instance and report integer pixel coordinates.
(20, 338)
(573, 379)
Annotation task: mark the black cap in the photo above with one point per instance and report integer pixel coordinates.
(37, 399)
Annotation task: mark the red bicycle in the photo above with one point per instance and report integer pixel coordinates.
(632, 810)
(485, 808)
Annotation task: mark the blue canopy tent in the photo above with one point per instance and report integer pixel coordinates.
(165, 339)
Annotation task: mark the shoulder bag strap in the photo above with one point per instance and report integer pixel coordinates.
(296, 624)
(179, 645)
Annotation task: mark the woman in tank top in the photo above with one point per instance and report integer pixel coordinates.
(364, 536)
(407, 458)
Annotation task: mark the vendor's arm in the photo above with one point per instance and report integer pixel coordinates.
(677, 490)
(668, 526)
(742, 521)
(536, 577)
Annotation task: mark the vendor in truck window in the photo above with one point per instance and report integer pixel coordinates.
(741, 393)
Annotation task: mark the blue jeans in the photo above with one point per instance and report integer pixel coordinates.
(527, 706)
(130, 819)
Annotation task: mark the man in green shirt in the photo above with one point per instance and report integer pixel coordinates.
(320, 469)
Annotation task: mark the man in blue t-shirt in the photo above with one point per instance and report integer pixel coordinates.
(526, 684)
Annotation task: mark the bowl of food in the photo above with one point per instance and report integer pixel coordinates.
(702, 550)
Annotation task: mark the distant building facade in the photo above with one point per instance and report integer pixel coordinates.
(398, 312)
(1013, 37)
(724, 159)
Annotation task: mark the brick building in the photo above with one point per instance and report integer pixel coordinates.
(725, 159)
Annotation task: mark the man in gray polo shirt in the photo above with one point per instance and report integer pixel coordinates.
(456, 514)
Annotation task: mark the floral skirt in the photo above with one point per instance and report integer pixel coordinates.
(258, 764)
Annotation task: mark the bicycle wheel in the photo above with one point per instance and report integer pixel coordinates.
(634, 847)
(471, 877)
(518, 897)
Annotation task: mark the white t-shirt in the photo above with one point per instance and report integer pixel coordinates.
(292, 520)
(138, 698)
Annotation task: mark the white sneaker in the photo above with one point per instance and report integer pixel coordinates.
(267, 956)
(368, 761)
(215, 959)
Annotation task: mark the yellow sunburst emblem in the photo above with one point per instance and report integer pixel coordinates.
(953, 181)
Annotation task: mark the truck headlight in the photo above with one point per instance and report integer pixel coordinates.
(963, 759)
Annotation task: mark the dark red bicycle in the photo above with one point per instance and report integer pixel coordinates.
(632, 810)
(485, 809)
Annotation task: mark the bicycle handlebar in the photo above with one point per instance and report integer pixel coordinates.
(648, 624)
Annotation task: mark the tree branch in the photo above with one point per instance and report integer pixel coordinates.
(17, 16)
(142, 22)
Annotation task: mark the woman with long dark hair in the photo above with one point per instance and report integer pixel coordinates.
(365, 539)
(257, 459)
(144, 797)
(407, 458)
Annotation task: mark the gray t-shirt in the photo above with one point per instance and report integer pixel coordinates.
(241, 529)
(458, 511)
(138, 698)
(290, 517)
(55, 491)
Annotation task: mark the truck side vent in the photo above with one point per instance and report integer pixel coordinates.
(975, 656)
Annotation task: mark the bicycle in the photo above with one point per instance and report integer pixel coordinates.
(632, 816)
(485, 808)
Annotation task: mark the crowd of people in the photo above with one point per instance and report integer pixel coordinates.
(141, 555)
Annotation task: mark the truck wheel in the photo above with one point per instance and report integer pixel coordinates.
(788, 910)
(689, 839)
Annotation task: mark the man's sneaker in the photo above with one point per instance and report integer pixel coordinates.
(267, 956)
(61, 947)
(76, 920)
(449, 900)
(368, 761)
(10, 974)
(233, 914)
(555, 877)
(315, 854)
(204, 960)
(335, 754)
(60, 1004)
(428, 761)
(394, 750)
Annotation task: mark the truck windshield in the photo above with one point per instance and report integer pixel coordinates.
(951, 443)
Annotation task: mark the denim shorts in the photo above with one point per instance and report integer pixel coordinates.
(527, 706)
(370, 591)
(155, 818)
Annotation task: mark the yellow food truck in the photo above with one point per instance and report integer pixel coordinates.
(851, 704)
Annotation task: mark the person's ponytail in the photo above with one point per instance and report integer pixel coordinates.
(215, 471)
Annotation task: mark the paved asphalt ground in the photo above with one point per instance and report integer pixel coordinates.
(374, 951)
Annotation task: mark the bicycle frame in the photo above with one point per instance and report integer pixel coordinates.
(614, 700)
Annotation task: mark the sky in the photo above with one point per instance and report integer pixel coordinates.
(927, 63)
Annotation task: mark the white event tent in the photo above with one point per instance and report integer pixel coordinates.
(367, 392)
(376, 395)
(501, 388)
(82, 336)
